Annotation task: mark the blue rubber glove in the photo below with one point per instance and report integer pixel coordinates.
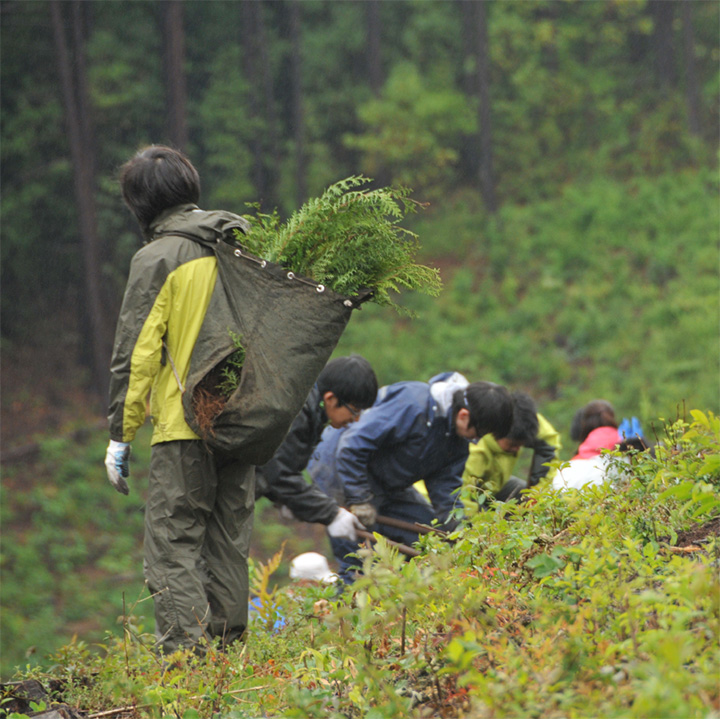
(117, 465)
(630, 429)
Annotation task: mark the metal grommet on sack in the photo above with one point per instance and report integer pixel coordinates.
(320, 288)
(239, 253)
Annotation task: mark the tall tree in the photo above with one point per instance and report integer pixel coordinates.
(663, 13)
(268, 102)
(297, 99)
(487, 174)
(692, 94)
(375, 74)
(470, 157)
(73, 84)
(175, 78)
(374, 63)
(256, 61)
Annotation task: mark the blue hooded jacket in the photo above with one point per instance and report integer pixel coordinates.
(406, 436)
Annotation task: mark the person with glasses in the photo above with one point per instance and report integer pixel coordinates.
(345, 387)
(414, 431)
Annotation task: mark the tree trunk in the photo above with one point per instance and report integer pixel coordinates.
(376, 78)
(663, 12)
(487, 174)
(374, 63)
(249, 40)
(298, 109)
(261, 102)
(692, 93)
(470, 157)
(268, 103)
(175, 78)
(79, 131)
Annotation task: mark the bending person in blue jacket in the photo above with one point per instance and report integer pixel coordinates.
(414, 431)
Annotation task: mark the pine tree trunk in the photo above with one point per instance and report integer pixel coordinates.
(376, 78)
(692, 93)
(298, 109)
(256, 65)
(487, 174)
(663, 12)
(470, 157)
(79, 131)
(175, 78)
(374, 61)
(251, 66)
(268, 103)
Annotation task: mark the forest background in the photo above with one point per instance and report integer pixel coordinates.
(567, 152)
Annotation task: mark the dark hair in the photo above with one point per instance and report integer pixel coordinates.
(351, 379)
(524, 422)
(634, 444)
(598, 413)
(490, 406)
(155, 179)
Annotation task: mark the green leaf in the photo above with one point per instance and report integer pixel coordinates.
(680, 491)
(705, 505)
(544, 565)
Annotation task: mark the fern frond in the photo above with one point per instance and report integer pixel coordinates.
(349, 239)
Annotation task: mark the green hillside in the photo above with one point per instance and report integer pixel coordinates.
(599, 602)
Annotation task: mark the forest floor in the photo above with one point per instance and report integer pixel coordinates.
(42, 392)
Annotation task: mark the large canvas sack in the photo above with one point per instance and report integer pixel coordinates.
(288, 326)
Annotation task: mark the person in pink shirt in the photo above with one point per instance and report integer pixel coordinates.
(595, 428)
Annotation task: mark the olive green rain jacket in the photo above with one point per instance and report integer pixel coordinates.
(168, 291)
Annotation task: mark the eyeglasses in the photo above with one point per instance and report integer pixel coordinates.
(353, 411)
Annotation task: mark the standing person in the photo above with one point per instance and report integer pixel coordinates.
(345, 387)
(198, 516)
(491, 461)
(414, 431)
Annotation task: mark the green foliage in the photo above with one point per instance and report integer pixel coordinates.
(574, 96)
(539, 608)
(267, 600)
(349, 240)
(64, 532)
(232, 367)
(414, 129)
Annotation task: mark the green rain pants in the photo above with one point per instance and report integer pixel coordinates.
(198, 522)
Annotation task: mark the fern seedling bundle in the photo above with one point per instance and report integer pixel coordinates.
(348, 239)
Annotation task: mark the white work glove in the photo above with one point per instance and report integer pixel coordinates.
(117, 464)
(344, 525)
(365, 512)
(286, 512)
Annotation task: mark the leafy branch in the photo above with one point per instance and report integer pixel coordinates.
(349, 240)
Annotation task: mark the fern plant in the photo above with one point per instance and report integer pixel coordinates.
(267, 600)
(348, 239)
(231, 369)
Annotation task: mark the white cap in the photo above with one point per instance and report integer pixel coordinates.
(311, 565)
